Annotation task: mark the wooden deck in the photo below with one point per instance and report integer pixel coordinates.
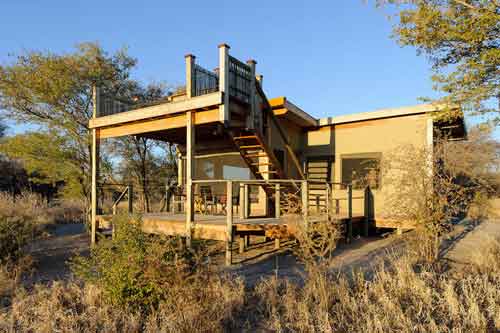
(213, 227)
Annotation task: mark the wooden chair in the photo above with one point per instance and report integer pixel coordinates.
(208, 199)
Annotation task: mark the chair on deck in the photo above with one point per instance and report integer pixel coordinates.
(208, 199)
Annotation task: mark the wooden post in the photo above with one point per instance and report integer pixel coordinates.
(190, 79)
(224, 113)
(277, 244)
(190, 142)
(95, 166)
(277, 203)
(305, 203)
(229, 222)
(349, 213)
(130, 198)
(253, 103)
(367, 212)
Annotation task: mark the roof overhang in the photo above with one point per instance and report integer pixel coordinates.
(284, 108)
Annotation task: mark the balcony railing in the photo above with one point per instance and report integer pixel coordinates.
(240, 78)
(205, 81)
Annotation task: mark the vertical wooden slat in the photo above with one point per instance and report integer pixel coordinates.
(229, 222)
(242, 201)
(190, 142)
(246, 198)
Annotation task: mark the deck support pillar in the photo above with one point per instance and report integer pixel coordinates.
(190, 142)
(277, 244)
(229, 223)
(95, 167)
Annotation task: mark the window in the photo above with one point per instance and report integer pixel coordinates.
(361, 170)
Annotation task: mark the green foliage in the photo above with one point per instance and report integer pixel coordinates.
(133, 269)
(55, 91)
(461, 39)
(47, 157)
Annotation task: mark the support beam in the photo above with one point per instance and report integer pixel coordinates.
(229, 223)
(190, 168)
(224, 112)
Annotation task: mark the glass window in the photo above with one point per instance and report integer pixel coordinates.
(361, 171)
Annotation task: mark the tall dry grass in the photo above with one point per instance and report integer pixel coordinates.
(401, 297)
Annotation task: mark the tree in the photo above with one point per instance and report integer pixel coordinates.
(55, 91)
(48, 158)
(462, 40)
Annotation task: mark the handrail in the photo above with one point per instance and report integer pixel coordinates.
(280, 130)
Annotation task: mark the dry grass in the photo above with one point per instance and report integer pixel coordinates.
(401, 297)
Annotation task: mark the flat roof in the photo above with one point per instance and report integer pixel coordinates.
(381, 113)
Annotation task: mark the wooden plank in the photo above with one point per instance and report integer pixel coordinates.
(155, 111)
(95, 179)
(153, 125)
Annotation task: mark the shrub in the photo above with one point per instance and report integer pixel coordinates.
(15, 233)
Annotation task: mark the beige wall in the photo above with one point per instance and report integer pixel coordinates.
(378, 136)
(371, 136)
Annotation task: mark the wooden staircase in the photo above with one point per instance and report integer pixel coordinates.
(257, 155)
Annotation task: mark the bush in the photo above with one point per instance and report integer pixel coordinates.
(140, 271)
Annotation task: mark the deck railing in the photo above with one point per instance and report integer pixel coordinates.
(240, 78)
(109, 105)
(205, 81)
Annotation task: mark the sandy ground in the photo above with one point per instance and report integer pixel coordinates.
(261, 260)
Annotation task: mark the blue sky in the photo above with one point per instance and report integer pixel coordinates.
(328, 57)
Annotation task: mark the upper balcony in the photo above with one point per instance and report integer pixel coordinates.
(227, 95)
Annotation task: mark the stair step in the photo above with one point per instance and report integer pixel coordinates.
(261, 164)
(251, 147)
(245, 137)
(272, 171)
(256, 155)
